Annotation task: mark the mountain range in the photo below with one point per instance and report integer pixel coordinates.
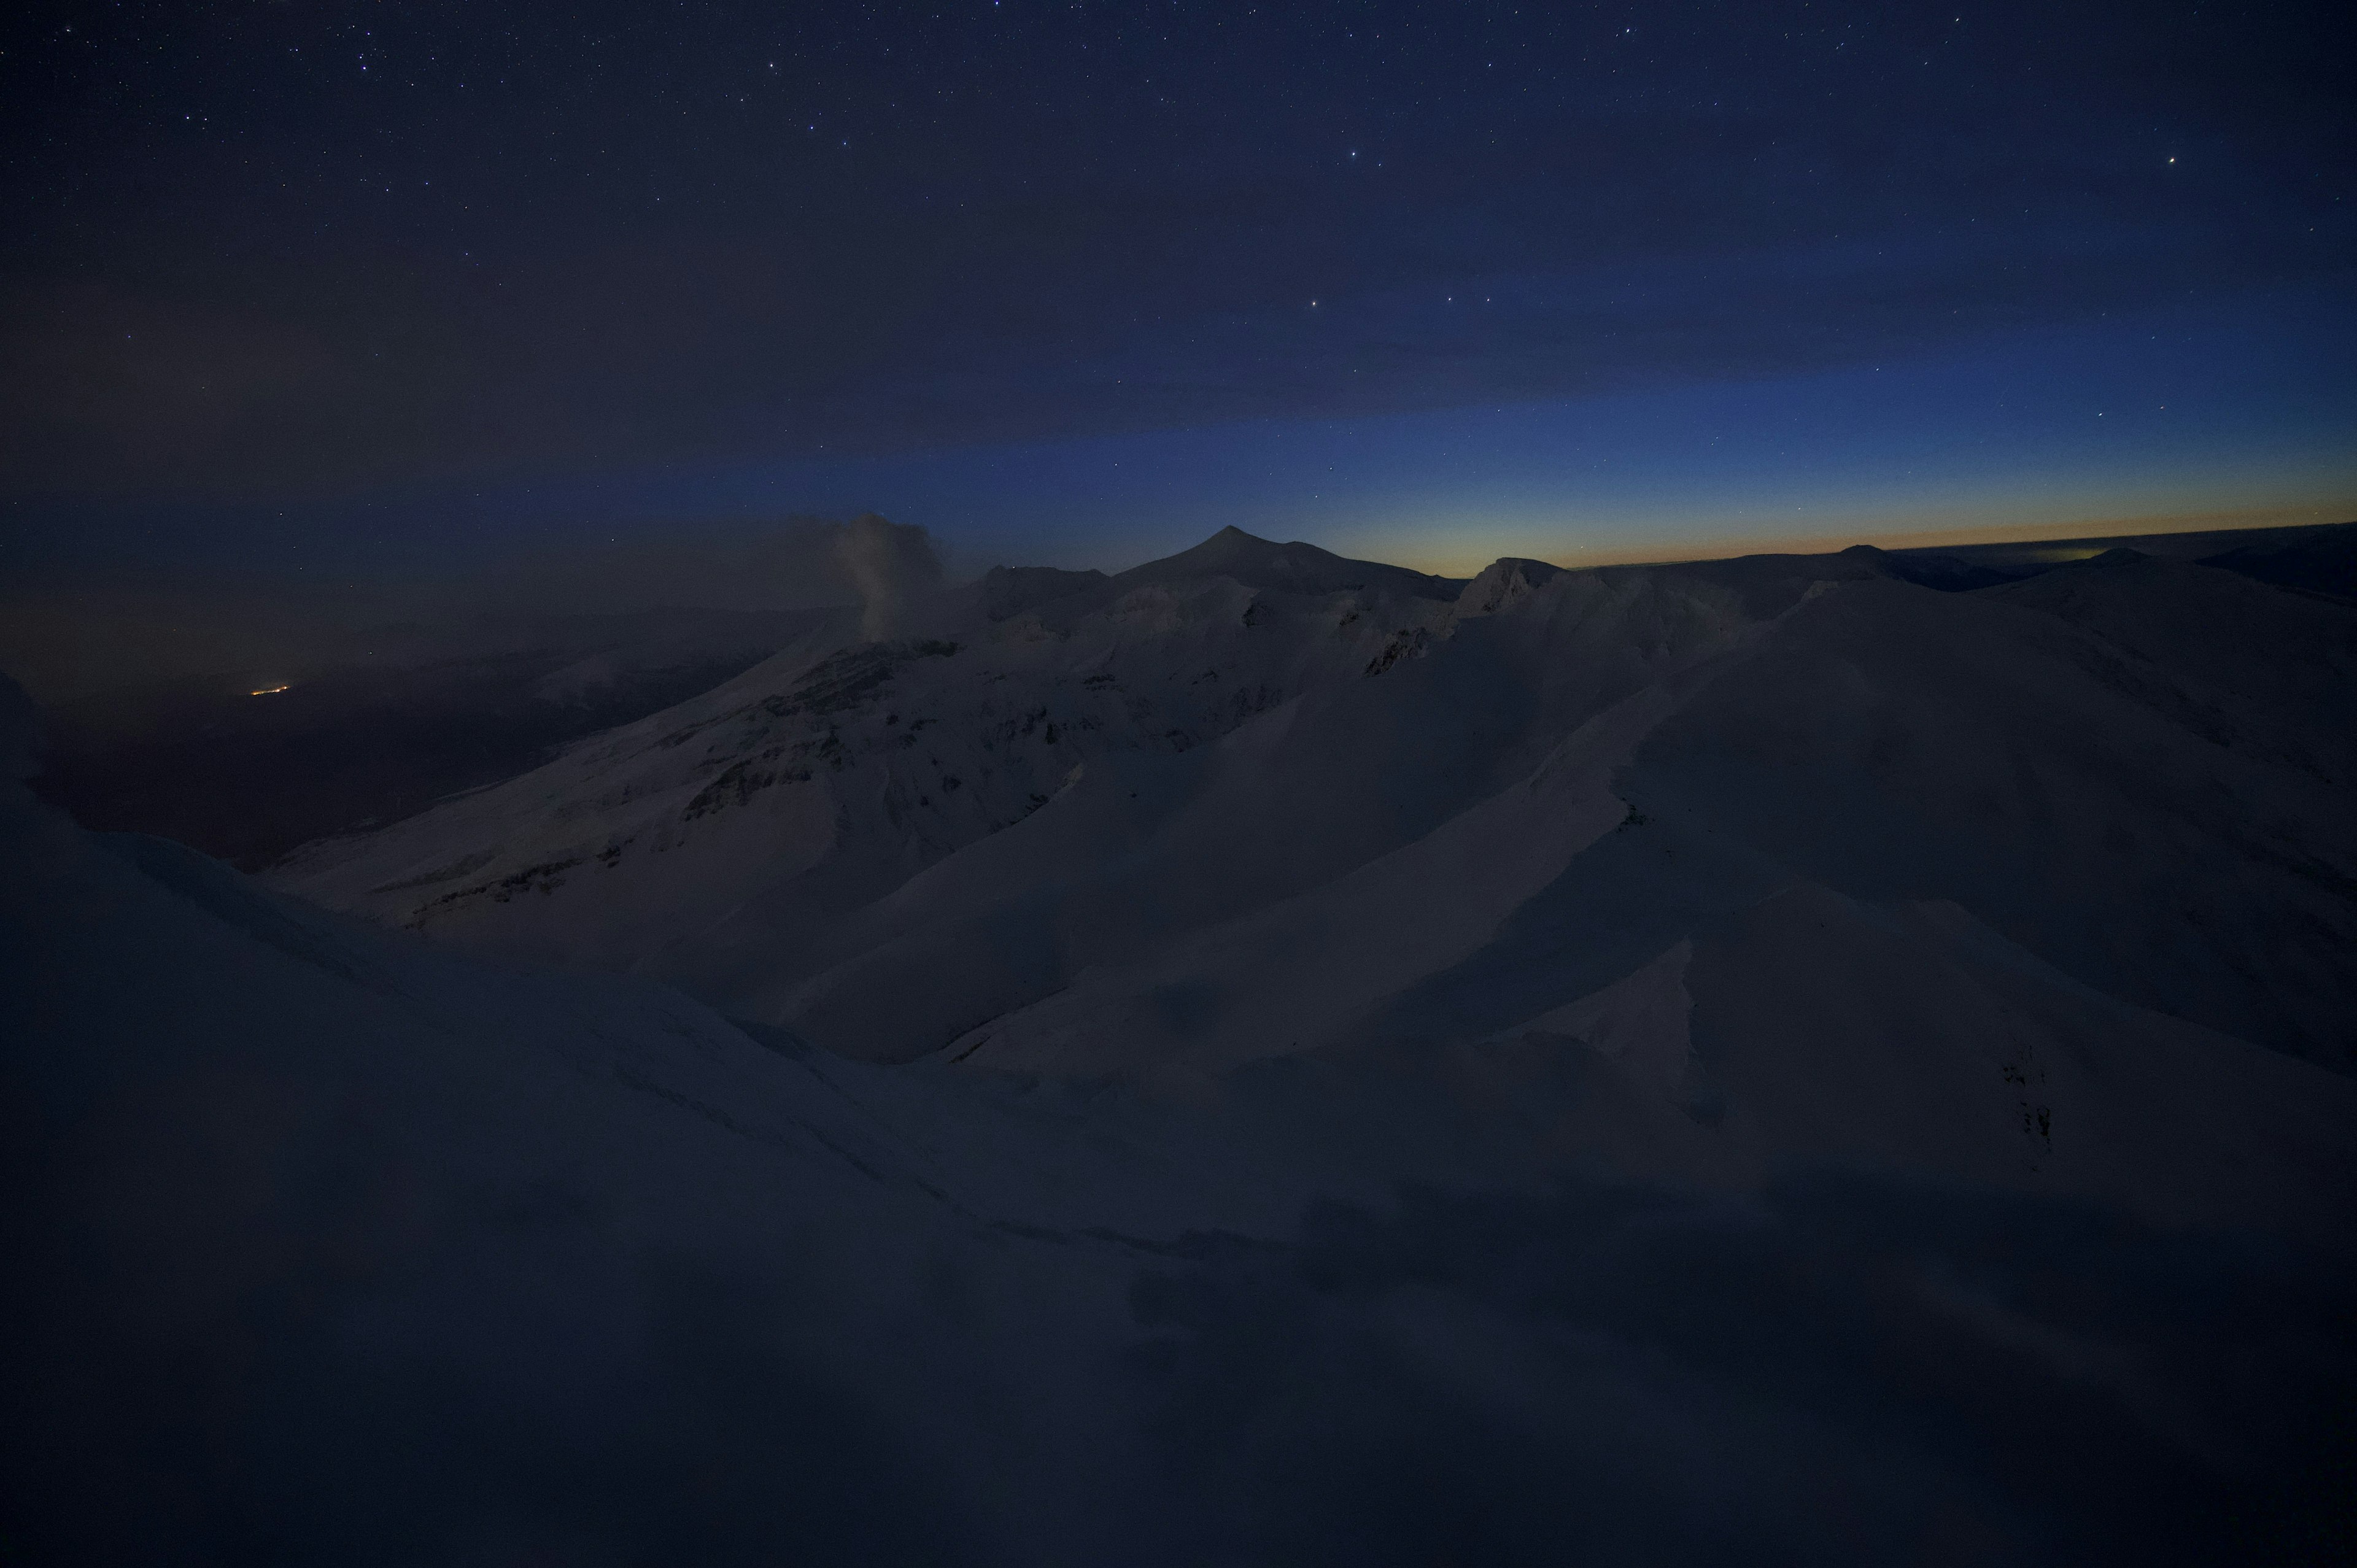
(1260, 1057)
(1255, 799)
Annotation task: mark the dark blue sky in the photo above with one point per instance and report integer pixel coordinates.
(361, 285)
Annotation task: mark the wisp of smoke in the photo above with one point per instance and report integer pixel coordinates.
(894, 567)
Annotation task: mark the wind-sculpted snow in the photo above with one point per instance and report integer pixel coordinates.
(1836, 1232)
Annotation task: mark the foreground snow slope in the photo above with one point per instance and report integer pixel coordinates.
(1256, 799)
(1816, 1229)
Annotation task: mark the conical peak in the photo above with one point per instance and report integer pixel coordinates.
(1232, 539)
(1294, 567)
(1232, 548)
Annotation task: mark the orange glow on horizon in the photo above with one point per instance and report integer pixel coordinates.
(2071, 535)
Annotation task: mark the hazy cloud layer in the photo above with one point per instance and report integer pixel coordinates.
(71, 635)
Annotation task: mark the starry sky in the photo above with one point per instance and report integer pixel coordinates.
(363, 286)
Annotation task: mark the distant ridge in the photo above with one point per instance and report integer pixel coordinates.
(2315, 560)
(1294, 568)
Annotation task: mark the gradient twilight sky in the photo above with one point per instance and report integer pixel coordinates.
(357, 287)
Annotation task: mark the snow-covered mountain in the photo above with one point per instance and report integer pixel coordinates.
(1257, 800)
(1690, 1208)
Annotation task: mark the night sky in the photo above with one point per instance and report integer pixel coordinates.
(353, 287)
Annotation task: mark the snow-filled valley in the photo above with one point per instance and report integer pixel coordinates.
(1262, 1058)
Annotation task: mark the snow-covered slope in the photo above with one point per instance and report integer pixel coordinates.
(727, 840)
(1814, 1226)
(1256, 799)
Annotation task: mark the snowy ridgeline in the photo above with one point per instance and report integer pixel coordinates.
(1763, 1061)
(1256, 799)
